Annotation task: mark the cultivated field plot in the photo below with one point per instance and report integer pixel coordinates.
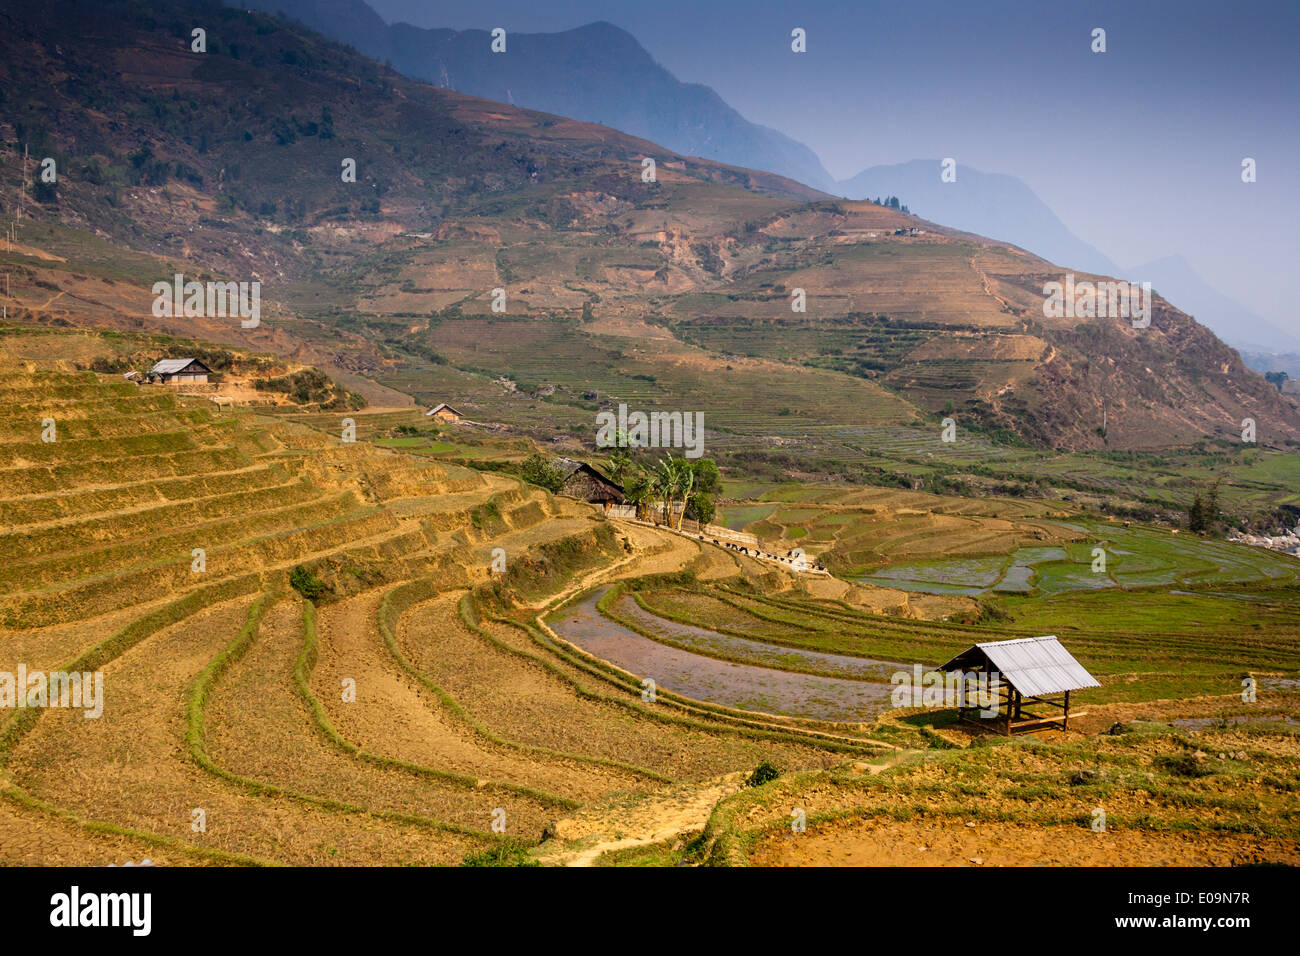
(942, 544)
(1217, 796)
(299, 670)
(655, 375)
(917, 281)
(1129, 558)
(685, 660)
(1249, 479)
(1142, 646)
(334, 676)
(851, 529)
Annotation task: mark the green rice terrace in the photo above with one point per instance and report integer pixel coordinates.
(978, 545)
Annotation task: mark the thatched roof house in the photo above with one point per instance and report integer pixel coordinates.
(586, 483)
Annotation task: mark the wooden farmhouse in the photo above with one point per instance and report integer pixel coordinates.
(586, 483)
(1030, 669)
(443, 412)
(178, 370)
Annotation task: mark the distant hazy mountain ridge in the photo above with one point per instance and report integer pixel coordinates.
(990, 204)
(597, 73)
(1175, 279)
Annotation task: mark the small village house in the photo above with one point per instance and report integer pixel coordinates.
(1028, 669)
(586, 483)
(443, 412)
(179, 370)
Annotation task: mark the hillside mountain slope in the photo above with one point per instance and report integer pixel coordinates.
(175, 151)
(991, 204)
(1004, 207)
(675, 293)
(597, 73)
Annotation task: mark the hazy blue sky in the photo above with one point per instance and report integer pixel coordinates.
(1138, 150)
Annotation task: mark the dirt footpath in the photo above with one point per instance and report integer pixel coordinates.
(626, 821)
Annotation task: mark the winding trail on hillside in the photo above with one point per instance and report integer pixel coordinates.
(988, 286)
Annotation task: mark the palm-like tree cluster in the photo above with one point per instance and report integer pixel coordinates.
(673, 486)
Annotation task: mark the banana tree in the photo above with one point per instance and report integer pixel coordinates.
(686, 482)
(621, 467)
(639, 492)
(667, 482)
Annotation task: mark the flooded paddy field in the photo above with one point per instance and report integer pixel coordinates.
(747, 686)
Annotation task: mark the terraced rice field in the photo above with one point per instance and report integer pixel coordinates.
(419, 708)
(1250, 478)
(976, 547)
(1165, 645)
(712, 670)
(1216, 796)
(396, 721)
(855, 529)
(1132, 558)
(577, 362)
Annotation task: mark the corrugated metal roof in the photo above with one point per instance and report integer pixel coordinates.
(171, 366)
(1035, 666)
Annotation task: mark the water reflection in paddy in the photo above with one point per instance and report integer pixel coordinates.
(748, 651)
(704, 678)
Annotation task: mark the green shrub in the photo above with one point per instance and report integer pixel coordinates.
(701, 508)
(1183, 765)
(503, 854)
(307, 584)
(765, 772)
(537, 470)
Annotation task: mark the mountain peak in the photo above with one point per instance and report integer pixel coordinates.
(597, 72)
(604, 28)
